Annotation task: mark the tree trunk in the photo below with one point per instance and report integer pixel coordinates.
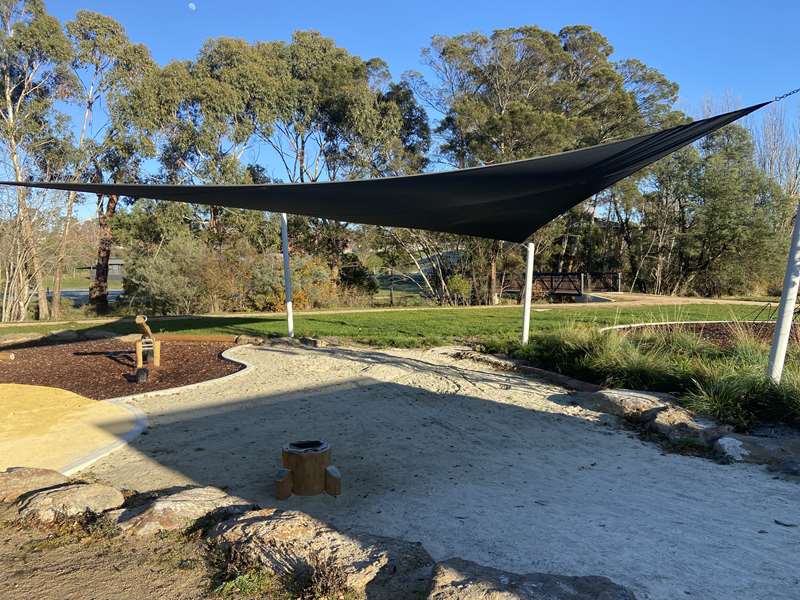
(98, 292)
(35, 265)
(61, 256)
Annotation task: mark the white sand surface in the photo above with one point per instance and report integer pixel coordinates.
(488, 466)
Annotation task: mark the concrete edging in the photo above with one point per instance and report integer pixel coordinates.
(141, 422)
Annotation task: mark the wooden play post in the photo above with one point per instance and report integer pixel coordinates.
(307, 470)
(7, 356)
(148, 342)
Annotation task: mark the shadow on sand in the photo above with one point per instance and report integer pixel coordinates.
(508, 485)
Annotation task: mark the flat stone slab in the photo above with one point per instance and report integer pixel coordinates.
(679, 427)
(70, 501)
(760, 450)
(381, 568)
(18, 481)
(632, 405)
(177, 511)
(459, 579)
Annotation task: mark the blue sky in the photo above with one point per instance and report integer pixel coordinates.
(713, 49)
(710, 47)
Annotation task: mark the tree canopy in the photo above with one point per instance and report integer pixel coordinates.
(710, 219)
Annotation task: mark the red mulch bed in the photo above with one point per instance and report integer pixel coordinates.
(104, 368)
(724, 334)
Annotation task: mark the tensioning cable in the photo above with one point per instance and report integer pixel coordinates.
(786, 95)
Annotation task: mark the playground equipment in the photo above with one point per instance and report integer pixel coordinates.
(7, 356)
(148, 350)
(307, 470)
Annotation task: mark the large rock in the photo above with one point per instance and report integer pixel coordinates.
(679, 427)
(249, 339)
(69, 501)
(177, 511)
(281, 541)
(18, 481)
(458, 579)
(760, 450)
(634, 406)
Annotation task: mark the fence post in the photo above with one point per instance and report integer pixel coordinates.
(783, 324)
(287, 275)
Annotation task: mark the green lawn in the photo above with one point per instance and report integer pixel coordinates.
(426, 327)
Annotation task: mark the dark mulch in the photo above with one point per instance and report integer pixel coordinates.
(104, 368)
(725, 334)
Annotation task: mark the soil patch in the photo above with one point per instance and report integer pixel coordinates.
(41, 565)
(103, 368)
(722, 334)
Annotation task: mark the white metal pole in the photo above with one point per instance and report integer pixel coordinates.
(783, 325)
(287, 274)
(526, 314)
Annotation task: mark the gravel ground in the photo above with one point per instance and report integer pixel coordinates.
(103, 368)
(488, 466)
(42, 565)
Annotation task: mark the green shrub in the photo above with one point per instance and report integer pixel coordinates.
(460, 288)
(727, 383)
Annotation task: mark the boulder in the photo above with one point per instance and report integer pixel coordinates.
(313, 342)
(760, 450)
(178, 510)
(786, 467)
(69, 501)
(18, 481)
(249, 339)
(634, 406)
(459, 579)
(285, 542)
(679, 427)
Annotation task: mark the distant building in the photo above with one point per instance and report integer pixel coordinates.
(116, 269)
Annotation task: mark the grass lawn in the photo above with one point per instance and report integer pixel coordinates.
(727, 383)
(424, 327)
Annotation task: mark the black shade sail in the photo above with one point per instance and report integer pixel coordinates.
(507, 201)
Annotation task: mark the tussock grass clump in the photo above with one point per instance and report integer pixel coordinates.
(255, 583)
(726, 381)
(65, 530)
(238, 576)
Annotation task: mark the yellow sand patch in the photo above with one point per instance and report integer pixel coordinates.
(52, 428)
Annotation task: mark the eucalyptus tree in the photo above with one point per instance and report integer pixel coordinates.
(34, 59)
(218, 97)
(337, 117)
(105, 65)
(525, 91)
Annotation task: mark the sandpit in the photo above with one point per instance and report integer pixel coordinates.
(56, 429)
(488, 466)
